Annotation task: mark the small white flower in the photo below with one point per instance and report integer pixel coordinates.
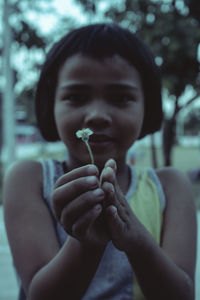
(84, 134)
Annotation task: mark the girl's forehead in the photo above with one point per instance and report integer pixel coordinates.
(81, 66)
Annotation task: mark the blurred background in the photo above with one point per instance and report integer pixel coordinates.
(171, 28)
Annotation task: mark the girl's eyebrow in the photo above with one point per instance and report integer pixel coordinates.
(109, 86)
(122, 86)
(65, 86)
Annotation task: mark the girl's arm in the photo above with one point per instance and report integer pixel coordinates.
(68, 274)
(46, 271)
(166, 271)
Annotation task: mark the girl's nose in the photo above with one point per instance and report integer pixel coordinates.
(97, 116)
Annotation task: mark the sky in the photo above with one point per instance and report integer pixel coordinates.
(63, 7)
(68, 7)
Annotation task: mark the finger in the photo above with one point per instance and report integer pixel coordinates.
(109, 182)
(113, 193)
(71, 190)
(108, 189)
(112, 211)
(83, 171)
(79, 228)
(113, 219)
(114, 196)
(108, 174)
(112, 164)
(79, 207)
(115, 225)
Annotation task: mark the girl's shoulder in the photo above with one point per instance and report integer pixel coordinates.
(24, 165)
(178, 191)
(23, 172)
(25, 213)
(22, 178)
(173, 180)
(179, 219)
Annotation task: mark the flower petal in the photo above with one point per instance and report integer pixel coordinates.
(79, 134)
(84, 133)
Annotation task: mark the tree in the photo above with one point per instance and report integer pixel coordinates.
(28, 45)
(192, 122)
(172, 31)
(30, 42)
(11, 39)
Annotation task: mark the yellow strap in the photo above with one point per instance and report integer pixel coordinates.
(146, 205)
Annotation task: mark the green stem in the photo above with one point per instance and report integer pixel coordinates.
(90, 152)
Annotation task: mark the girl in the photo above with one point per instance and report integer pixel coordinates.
(104, 230)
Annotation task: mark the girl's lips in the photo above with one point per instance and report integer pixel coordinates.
(100, 140)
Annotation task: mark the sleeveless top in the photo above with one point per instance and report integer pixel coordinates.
(114, 278)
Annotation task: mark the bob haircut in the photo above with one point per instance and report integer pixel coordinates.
(99, 41)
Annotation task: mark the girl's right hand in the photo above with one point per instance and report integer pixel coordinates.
(77, 201)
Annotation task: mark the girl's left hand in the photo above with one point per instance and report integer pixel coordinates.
(124, 227)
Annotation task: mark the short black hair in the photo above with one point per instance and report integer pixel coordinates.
(99, 41)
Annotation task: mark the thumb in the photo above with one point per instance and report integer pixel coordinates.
(115, 227)
(114, 221)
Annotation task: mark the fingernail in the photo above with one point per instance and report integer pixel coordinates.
(112, 189)
(98, 192)
(112, 162)
(92, 180)
(114, 210)
(92, 170)
(98, 207)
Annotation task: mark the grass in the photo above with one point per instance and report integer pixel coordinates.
(185, 159)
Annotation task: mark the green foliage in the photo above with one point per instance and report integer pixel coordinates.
(25, 102)
(194, 8)
(89, 5)
(26, 35)
(170, 29)
(192, 123)
(177, 45)
(29, 46)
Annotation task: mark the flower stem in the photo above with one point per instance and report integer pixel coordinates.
(90, 152)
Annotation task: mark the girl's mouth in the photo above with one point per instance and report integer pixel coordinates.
(100, 140)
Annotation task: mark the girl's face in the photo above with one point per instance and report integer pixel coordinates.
(105, 96)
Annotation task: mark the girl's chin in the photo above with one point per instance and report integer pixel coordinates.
(99, 162)
(99, 159)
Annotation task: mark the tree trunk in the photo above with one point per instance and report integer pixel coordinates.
(169, 130)
(153, 153)
(1, 168)
(8, 105)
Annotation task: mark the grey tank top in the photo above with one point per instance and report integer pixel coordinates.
(114, 277)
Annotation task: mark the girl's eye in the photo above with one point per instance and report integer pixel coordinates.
(122, 99)
(75, 98)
